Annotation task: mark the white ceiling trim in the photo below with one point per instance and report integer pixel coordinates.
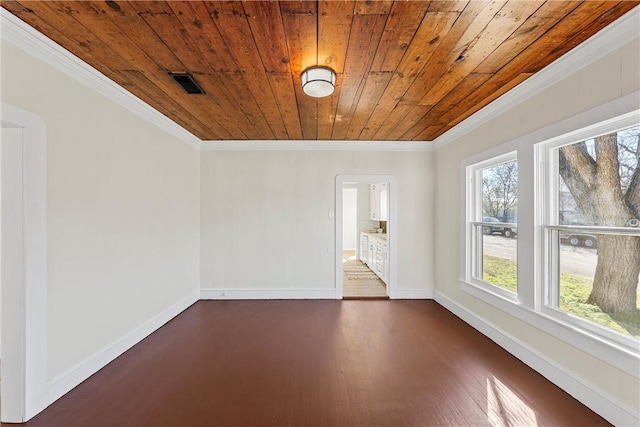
(306, 145)
(603, 43)
(17, 32)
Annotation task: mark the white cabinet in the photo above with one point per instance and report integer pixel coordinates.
(381, 265)
(364, 248)
(379, 201)
(374, 251)
(371, 256)
(384, 202)
(374, 200)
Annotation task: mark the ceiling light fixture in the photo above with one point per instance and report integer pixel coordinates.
(318, 81)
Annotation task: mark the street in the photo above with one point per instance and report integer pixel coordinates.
(574, 260)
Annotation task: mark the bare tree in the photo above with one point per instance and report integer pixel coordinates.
(607, 191)
(500, 190)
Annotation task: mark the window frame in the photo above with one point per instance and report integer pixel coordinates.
(474, 224)
(547, 285)
(531, 266)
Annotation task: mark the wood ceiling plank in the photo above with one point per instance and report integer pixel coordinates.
(230, 91)
(466, 27)
(283, 90)
(426, 40)
(162, 18)
(541, 52)
(515, 72)
(597, 16)
(129, 22)
(376, 7)
(327, 108)
(307, 109)
(334, 27)
(504, 22)
(350, 89)
(236, 31)
(390, 122)
(91, 16)
(194, 17)
(374, 86)
(144, 89)
(364, 38)
(203, 106)
(548, 15)
(363, 42)
(78, 40)
(389, 57)
(300, 25)
(401, 26)
(265, 20)
(455, 101)
(448, 5)
(415, 114)
(76, 15)
(483, 97)
(429, 133)
(105, 30)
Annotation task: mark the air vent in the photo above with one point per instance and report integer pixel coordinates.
(186, 81)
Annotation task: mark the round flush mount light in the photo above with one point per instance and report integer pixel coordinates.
(318, 81)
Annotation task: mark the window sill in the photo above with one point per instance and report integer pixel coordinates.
(624, 358)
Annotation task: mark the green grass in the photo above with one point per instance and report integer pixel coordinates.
(574, 291)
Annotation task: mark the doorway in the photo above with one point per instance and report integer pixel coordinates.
(23, 264)
(365, 236)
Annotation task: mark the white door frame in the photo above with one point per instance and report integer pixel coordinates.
(392, 226)
(24, 272)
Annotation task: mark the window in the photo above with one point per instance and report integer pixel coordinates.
(551, 232)
(591, 226)
(493, 192)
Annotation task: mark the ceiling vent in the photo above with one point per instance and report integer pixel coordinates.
(186, 81)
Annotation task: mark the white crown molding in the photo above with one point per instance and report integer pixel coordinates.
(305, 145)
(17, 32)
(603, 43)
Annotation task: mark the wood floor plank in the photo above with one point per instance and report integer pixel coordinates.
(316, 363)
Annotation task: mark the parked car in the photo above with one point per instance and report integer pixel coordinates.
(490, 229)
(511, 232)
(579, 239)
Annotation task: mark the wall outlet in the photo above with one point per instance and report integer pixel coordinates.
(331, 215)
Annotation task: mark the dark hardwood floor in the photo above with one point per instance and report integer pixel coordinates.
(316, 363)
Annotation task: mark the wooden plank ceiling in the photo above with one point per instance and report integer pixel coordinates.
(407, 70)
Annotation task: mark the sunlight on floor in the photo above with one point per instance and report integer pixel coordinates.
(505, 408)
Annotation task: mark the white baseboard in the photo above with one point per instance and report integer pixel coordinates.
(239, 294)
(600, 402)
(412, 294)
(62, 384)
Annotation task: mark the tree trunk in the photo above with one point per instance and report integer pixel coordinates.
(595, 187)
(616, 280)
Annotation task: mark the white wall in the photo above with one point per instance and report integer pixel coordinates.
(265, 222)
(612, 77)
(122, 212)
(349, 218)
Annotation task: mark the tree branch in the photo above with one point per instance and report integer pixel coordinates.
(632, 197)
